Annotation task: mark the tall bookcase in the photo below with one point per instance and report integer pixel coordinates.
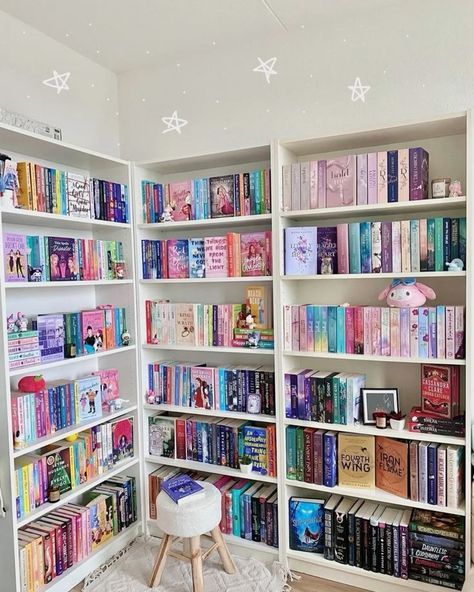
(52, 297)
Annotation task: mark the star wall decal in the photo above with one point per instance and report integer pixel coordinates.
(58, 81)
(174, 123)
(266, 68)
(358, 90)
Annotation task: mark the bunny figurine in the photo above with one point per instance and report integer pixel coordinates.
(407, 292)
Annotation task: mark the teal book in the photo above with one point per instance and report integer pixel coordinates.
(35, 259)
(431, 243)
(336, 400)
(454, 238)
(258, 192)
(354, 248)
(365, 247)
(342, 399)
(462, 240)
(332, 329)
(447, 237)
(291, 452)
(341, 329)
(324, 328)
(439, 239)
(238, 489)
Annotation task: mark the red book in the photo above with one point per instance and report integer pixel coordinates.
(440, 390)
(181, 438)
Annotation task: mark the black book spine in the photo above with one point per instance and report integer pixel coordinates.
(329, 535)
(255, 511)
(389, 550)
(340, 551)
(358, 542)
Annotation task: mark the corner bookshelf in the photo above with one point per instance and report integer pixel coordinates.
(205, 290)
(52, 297)
(447, 140)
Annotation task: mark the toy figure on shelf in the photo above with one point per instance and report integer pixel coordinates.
(11, 324)
(249, 322)
(455, 265)
(253, 339)
(117, 404)
(407, 292)
(126, 338)
(167, 215)
(150, 397)
(21, 322)
(455, 189)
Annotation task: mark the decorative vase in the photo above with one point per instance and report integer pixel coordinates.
(397, 424)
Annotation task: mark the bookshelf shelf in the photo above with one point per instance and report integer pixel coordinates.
(211, 413)
(79, 284)
(208, 468)
(32, 218)
(375, 276)
(220, 280)
(225, 223)
(204, 348)
(66, 498)
(364, 358)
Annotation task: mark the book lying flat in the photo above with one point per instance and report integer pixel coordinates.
(182, 488)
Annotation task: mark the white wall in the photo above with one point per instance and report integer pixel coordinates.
(417, 57)
(85, 115)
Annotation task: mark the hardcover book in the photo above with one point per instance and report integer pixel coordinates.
(14, 257)
(327, 250)
(437, 524)
(356, 461)
(181, 199)
(221, 191)
(197, 258)
(216, 256)
(255, 445)
(419, 173)
(181, 487)
(254, 256)
(109, 386)
(440, 390)
(301, 251)
(341, 181)
(306, 524)
(88, 397)
(78, 195)
(202, 387)
(122, 439)
(362, 187)
(178, 258)
(92, 322)
(58, 466)
(161, 433)
(62, 259)
(391, 465)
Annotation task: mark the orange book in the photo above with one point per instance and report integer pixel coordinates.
(391, 465)
(25, 198)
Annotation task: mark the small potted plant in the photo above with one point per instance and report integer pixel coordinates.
(397, 420)
(245, 463)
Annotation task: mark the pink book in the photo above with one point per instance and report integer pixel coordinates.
(403, 175)
(341, 181)
(268, 252)
(349, 322)
(358, 330)
(395, 332)
(396, 247)
(215, 249)
(303, 328)
(178, 258)
(295, 327)
(220, 325)
(382, 177)
(287, 341)
(385, 349)
(109, 386)
(180, 199)
(367, 319)
(203, 380)
(313, 184)
(92, 330)
(450, 332)
(372, 184)
(414, 313)
(322, 184)
(342, 248)
(376, 330)
(404, 332)
(405, 246)
(254, 256)
(295, 186)
(304, 185)
(423, 230)
(459, 348)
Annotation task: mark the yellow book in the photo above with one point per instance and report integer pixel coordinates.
(24, 181)
(356, 461)
(34, 192)
(26, 488)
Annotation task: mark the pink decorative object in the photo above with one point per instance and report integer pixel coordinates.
(455, 189)
(407, 292)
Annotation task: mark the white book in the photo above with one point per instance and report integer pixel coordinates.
(405, 246)
(295, 186)
(441, 463)
(376, 232)
(286, 187)
(454, 476)
(313, 184)
(423, 472)
(287, 337)
(396, 247)
(415, 245)
(304, 185)
(403, 175)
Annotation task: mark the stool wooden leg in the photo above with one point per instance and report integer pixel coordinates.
(196, 564)
(187, 548)
(160, 560)
(223, 550)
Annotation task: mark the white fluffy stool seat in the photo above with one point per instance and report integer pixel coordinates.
(188, 521)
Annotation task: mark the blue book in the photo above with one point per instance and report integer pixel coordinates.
(433, 473)
(354, 248)
(341, 329)
(366, 247)
(332, 329)
(301, 251)
(392, 175)
(181, 487)
(255, 446)
(336, 400)
(324, 323)
(330, 460)
(447, 233)
(306, 524)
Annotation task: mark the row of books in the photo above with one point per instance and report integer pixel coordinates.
(375, 247)
(420, 471)
(30, 258)
(23, 347)
(425, 423)
(349, 180)
(248, 389)
(61, 404)
(323, 396)
(44, 189)
(232, 255)
(67, 465)
(48, 547)
(423, 332)
(205, 324)
(403, 543)
(249, 509)
(240, 194)
(213, 441)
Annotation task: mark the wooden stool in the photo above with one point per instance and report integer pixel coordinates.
(189, 521)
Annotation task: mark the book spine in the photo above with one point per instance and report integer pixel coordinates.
(392, 176)
(418, 164)
(365, 247)
(321, 184)
(376, 247)
(362, 179)
(330, 460)
(403, 175)
(441, 476)
(386, 231)
(372, 178)
(432, 475)
(382, 195)
(450, 332)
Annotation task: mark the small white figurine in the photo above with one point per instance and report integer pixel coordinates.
(11, 324)
(117, 404)
(455, 265)
(455, 189)
(167, 216)
(249, 321)
(21, 322)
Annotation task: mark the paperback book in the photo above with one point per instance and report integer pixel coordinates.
(182, 488)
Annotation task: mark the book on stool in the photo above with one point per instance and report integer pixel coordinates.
(182, 489)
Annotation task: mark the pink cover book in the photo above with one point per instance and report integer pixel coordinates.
(376, 330)
(385, 349)
(403, 175)
(178, 258)
(395, 332)
(92, 330)
(372, 175)
(287, 327)
(304, 185)
(349, 321)
(185, 324)
(341, 181)
(180, 199)
(322, 184)
(450, 332)
(215, 249)
(303, 328)
(382, 186)
(396, 247)
(359, 330)
(367, 320)
(404, 332)
(313, 184)
(405, 246)
(253, 252)
(459, 350)
(295, 327)
(286, 187)
(109, 386)
(343, 248)
(414, 322)
(203, 380)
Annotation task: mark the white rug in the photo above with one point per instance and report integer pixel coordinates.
(129, 571)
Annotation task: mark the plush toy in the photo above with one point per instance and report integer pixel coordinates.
(167, 215)
(455, 189)
(406, 292)
(250, 322)
(11, 324)
(21, 322)
(32, 384)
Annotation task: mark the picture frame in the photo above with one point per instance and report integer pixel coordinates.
(378, 399)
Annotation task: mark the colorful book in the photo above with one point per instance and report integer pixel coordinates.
(88, 397)
(122, 439)
(178, 258)
(254, 254)
(197, 258)
(203, 381)
(182, 488)
(15, 257)
(221, 192)
(92, 322)
(180, 200)
(327, 250)
(341, 181)
(78, 195)
(301, 248)
(391, 465)
(62, 259)
(306, 524)
(356, 461)
(215, 248)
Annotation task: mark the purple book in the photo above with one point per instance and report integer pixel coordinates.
(386, 247)
(51, 336)
(419, 172)
(372, 187)
(181, 487)
(361, 179)
(62, 259)
(300, 250)
(327, 250)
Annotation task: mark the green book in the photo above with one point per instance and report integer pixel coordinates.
(237, 491)
(439, 236)
(291, 452)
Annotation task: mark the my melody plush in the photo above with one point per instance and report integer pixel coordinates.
(407, 292)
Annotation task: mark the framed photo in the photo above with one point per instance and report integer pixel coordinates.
(378, 399)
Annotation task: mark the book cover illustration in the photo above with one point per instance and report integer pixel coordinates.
(14, 257)
(327, 250)
(181, 487)
(62, 260)
(301, 251)
(78, 195)
(161, 433)
(437, 396)
(391, 468)
(35, 258)
(93, 330)
(215, 248)
(185, 324)
(88, 397)
(50, 336)
(253, 254)
(109, 387)
(437, 524)
(202, 385)
(180, 200)
(341, 181)
(356, 461)
(178, 258)
(306, 522)
(122, 439)
(58, 466)
(197, 258)
(221, 191)
(255, 446)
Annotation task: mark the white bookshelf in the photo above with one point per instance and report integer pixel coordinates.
(65, 297)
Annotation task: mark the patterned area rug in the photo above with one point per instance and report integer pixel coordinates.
(129, 571)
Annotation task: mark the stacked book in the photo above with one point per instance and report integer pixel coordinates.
(232, 255)
(67, 465)
(249, 509)
(48, 547)
(213, 441)
(241, 194)
(349, 180)
(404, 246)
(250, 389)
(423, 332)
(23, 349)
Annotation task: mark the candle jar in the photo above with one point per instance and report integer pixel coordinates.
(54, 494)
(440, 187)
(380, 420)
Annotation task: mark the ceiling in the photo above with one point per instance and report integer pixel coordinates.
(127, 34)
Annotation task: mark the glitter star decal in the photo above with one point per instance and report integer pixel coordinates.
(266, 68)
(174, 123)
(358, 90)
(58, 81)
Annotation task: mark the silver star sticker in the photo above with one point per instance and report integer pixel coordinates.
(266, 68)
(174, 123)
(58, 81)
(358, 90)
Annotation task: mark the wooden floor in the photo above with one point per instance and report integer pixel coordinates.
(311, 584)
